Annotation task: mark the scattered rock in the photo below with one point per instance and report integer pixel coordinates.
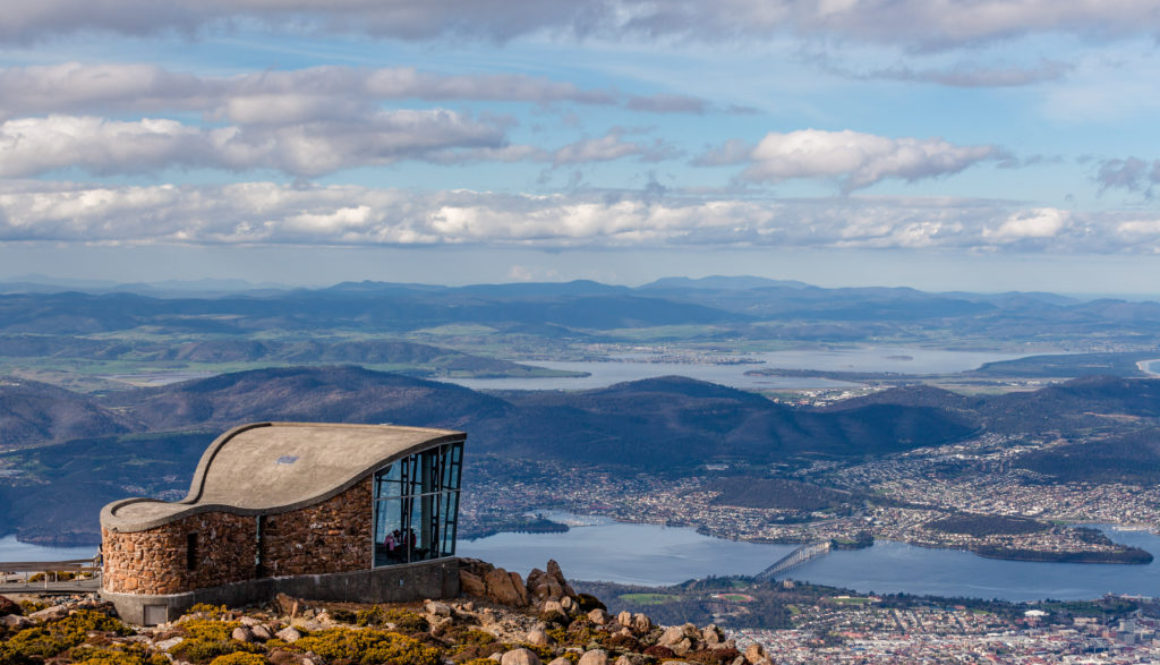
(683, 647)
(538, 638)
(242, 634)
(624, 618)
(249, 622)
(641, 624)
(50, 614)
(754, 653)
(289, 635)
(15, 621)
(8, 607)
(262, 633)
(624, 660)
(560, 661)
(437, 608)
(712, 635)
(166, 645)
(569, 604)
(599, 617)
(594, 657)
(286, 604)
(520, 657)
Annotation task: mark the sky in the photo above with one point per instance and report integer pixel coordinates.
(984, 145)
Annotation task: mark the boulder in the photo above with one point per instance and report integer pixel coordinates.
(437, 608)
(712, 635)
(683, 647)
(537, 638)
(558, 575)
(503, 589)
(520, 657)
(15, 622)
(49, 614)
(754, 653)
(472, 584)
(624, 618)
(166, 645)
(671, 636)
(261, 633)
(289, 635)
(594, 657)
(624, 660)
(242, 634)
(560, 661)
(641, 624)
(599, 617)
(7, 607)
(569, 604)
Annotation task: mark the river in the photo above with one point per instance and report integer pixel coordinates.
(653, 555)
(901, 360)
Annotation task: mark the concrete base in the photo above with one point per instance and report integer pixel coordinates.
(390, 584)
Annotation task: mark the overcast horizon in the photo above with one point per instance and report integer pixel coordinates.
(989, 145)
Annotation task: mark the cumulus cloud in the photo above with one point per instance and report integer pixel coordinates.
(853, 159)
(268, 213)
(1132, 174)
(923, 23)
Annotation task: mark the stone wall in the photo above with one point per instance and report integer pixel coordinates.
(331, 537)
(155, 561)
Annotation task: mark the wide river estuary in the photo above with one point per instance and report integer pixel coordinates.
(645, 554)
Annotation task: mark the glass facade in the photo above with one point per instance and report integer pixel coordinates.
(417, 505)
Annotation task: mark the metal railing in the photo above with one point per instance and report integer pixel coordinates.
(17, 576)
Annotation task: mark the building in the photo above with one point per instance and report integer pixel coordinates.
(324, 511)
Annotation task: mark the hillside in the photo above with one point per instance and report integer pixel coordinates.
(33, 413)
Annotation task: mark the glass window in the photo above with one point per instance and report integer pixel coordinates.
(417, 506)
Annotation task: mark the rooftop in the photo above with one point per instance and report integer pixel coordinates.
(275, 467)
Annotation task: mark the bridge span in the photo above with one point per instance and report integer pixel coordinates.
(795, 558)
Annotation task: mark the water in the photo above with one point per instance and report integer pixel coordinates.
(12, 550)
(655, 556)
(903, 360)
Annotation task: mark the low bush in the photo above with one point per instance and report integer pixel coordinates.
(369, 647)
(240, 659)
(403, 620)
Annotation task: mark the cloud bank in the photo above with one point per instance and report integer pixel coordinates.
(929, 24)
(262, 213)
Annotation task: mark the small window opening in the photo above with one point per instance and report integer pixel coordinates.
(191, 551)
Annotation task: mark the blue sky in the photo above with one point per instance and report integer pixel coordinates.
(944, 144)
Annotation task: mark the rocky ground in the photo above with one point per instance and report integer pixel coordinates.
(499, 619)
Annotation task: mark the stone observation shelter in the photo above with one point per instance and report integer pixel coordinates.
(363, 513)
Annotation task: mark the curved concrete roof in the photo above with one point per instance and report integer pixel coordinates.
(276, 467)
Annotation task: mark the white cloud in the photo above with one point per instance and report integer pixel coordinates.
(854, 159)
(262, 213)
(609, 147)
(925, 23)
(1030, 224)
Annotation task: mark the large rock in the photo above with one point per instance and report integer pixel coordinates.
(712, 635)
(624, 618)
(754, 653)
(242, 634)
(520, 657)
(49, 614)
(537, 638)
(472, 584)
(505, 588)
(15, 622)
(594, 657)
(671, 636)
(8, 607)
(641, 624)
(289, 635)
(558, 575)
(599, 617)
(560, 661)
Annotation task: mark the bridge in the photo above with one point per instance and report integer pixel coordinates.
(795, 558)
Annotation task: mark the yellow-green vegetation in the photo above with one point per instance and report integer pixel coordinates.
(368, 647)
(207, 639)
(120, 654)
(403, 620)
(649, 598)
(205, 609)
(240, 659)
(56, 637)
